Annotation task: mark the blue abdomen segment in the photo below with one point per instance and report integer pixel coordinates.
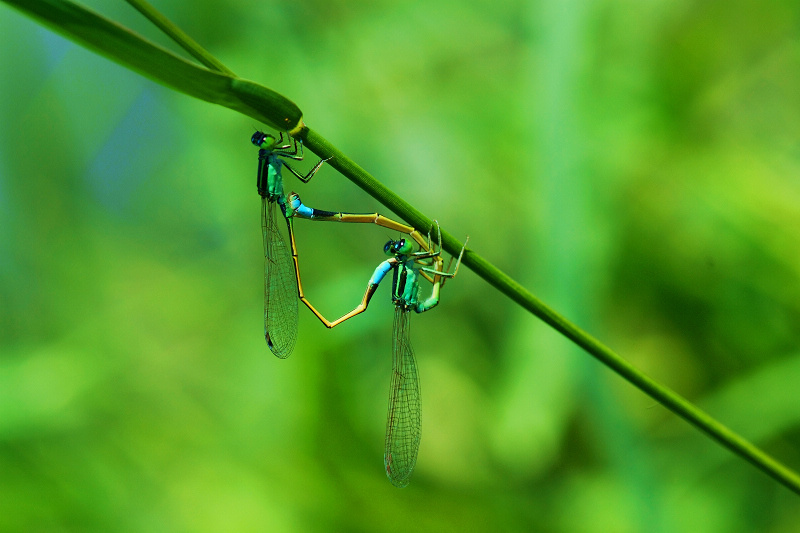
(300, 209)
(380, 272)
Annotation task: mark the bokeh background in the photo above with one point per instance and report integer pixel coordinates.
(635, 164)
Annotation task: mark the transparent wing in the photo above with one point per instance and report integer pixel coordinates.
(280, 289)
(403, 423)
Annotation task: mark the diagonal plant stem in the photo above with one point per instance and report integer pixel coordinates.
(222, 87)
(179, 36)
(519, 294)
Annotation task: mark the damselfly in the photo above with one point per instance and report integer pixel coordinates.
(403, 421)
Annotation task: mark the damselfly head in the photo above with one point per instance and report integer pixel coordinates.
(400, 247)
(389, 247)
(259, 138)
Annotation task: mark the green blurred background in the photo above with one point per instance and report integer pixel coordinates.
(635, 164)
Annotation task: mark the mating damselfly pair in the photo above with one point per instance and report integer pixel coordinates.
(282, 289)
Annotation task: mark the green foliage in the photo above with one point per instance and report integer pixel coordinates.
(639, 176)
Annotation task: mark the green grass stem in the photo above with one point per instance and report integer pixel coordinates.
(179, 36)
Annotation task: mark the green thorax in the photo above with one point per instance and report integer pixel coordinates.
(270, 179)
(405, 286)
